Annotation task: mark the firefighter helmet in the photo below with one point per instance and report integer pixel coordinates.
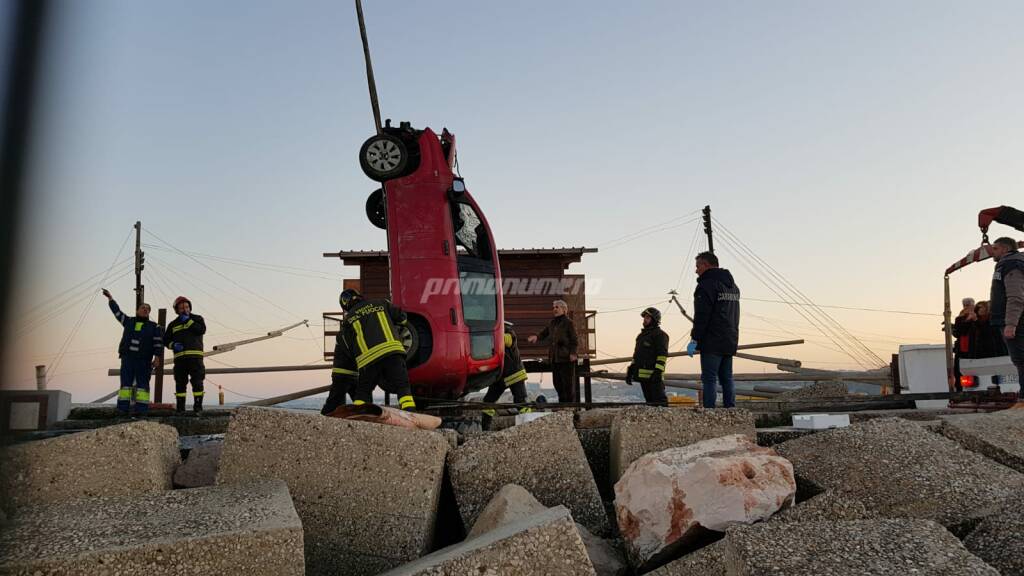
(654, 313)
(348, 298)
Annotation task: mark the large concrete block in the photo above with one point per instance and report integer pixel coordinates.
(880, 547)
(514, 504)
(999, 540)
(243, 530)
(999, 436)
(128, 460)
(543, 456)
(545, 543)
(641, 430)
(708, 561)
(367, 493)
(825, 506)
(897, 469)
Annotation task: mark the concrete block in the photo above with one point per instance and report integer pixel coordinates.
(641, 430)
(998, 540)
(825, 506)
(514, 504)
(898, 469)
(544, 456)
(244, 530)
(545, 543)
(998, 435)
(850, 547)
(367, 493)
(708, 561)
(200, 467)
(596, 418)
(127, 460)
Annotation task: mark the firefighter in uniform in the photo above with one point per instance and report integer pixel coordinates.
(139, 351)
(185, 338)
(513, 376)
(369, 329)
(649, 357)
(344, 375)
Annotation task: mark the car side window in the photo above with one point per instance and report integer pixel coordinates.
(470, 233)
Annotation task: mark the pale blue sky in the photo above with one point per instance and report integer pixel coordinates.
(851, 144)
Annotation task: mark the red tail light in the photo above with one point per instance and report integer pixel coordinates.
(968, 381)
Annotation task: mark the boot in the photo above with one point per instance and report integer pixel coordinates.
(181, 405)
(197, 404)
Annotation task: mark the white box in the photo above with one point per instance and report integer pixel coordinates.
(820, 421)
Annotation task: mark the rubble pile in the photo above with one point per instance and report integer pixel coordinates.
(825, 389)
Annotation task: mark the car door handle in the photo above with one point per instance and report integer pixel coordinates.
(447, 250)
(453, 316)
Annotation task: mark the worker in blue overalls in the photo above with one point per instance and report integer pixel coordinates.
(139, 350)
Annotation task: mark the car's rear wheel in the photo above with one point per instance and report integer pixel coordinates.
(418, 341)
(384, 157)
(376, 211)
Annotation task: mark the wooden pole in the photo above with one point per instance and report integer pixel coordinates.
(288, 397)
(41, 377)
(622, 360)
(245, 370)
(371, 82)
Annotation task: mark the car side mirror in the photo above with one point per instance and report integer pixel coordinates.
(458, 188)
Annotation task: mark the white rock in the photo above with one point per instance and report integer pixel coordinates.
(666, 500)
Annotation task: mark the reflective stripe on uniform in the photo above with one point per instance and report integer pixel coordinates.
(198, 394)
(525, 410)
(644, 372)
(660, 367)
(508, 340)
(141, 395)
(180, 394)
(181, 327)
(344, 371)
(660, 363)
(406, 402)
(133, 348)
(358, 402)
(188, 353)
(124, 394)
(490, 412)
(368, 355)
(515, 377)
(138, 326)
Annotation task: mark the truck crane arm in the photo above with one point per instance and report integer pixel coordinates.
(1002, 214)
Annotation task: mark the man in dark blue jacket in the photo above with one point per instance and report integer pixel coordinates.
(716, 328)
(139, 350)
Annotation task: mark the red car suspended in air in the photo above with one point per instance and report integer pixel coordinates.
(444, 269)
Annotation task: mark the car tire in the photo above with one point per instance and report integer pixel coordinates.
(422, 339)
(376, 211)
(384, 157)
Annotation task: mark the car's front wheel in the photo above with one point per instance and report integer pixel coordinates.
(384, 157)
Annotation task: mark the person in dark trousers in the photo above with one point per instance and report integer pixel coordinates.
(513, 377)
(344, 375)
(185, 339)
(139, 351)
(1007, 302)
(716, 328)
(649, 357)
(560, 335)
(986, 340)
(962, 330)
(369, 328)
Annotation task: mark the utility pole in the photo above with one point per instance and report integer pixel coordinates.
(707, 229)
(140, 256)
